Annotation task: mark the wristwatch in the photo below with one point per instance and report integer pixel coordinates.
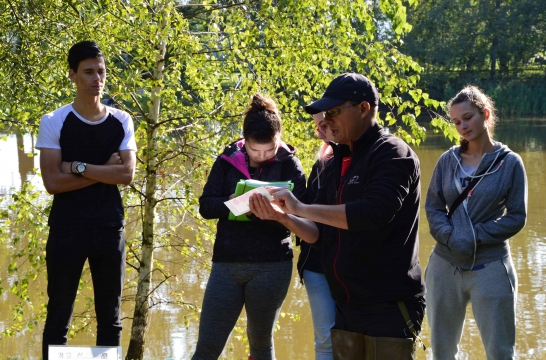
(80, 168)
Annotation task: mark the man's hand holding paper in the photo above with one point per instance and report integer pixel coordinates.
(265, 209)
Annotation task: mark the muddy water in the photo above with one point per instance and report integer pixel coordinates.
(173, 334)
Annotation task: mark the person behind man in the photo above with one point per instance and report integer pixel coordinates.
(365, 218)
(323, 307)
(86, 149)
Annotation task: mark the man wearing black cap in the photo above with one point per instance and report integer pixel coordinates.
(365, 220)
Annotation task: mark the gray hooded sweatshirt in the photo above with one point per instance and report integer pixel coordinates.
(480, 227)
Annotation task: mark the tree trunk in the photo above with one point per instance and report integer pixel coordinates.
(140, 317)
(494, 46)
(495, 42)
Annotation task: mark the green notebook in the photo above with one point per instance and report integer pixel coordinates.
(246, 185)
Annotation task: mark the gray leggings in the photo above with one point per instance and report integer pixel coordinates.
(261, 288)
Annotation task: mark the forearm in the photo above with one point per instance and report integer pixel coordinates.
(62, 182)
(303, 228)
(498, 230)
(119, 169)
(440, 226)
(109, 174)
(213, 207)
(333, 215)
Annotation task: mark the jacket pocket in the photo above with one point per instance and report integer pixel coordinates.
(461, 243)
(448, 240)
(426, 268)
(510, 273)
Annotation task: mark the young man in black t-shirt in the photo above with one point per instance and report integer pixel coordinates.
(86, 150)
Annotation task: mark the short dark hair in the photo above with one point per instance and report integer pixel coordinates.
(262, 122)
(82, 51)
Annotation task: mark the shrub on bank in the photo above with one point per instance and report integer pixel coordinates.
(521, 95)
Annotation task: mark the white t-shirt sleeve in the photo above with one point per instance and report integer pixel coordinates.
(129, 141)
(49, 135)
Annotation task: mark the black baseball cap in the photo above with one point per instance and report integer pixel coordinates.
(348, 86)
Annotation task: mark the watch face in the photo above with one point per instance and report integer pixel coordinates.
(80, 168)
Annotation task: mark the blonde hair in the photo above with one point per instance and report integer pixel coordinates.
(325, 151)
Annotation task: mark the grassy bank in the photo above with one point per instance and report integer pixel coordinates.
(519, 95)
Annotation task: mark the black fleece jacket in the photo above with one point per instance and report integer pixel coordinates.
(376, 259)
(256, 240)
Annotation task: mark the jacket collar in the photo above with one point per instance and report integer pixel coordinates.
(487, 159)
(235, 154)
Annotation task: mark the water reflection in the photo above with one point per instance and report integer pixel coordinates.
(17, 163)
(173, 332)
(523, 135)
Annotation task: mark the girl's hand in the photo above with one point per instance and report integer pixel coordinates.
(263, 209)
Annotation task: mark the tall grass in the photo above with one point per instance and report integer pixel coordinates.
(520, 99)
(519, 96)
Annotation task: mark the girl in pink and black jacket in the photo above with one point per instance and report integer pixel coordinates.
(252, 260)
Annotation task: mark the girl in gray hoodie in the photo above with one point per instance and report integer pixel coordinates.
(471, 262)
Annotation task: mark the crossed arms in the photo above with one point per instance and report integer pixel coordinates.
(58, 178)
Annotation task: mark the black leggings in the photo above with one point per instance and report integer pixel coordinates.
(261, 288)
(66, 252)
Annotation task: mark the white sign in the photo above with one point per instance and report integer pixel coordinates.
(63, 352)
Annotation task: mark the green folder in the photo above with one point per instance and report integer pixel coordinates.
(246, 185)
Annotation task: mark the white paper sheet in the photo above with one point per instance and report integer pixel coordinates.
(240, 206)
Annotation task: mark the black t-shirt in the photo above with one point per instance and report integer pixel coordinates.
(93, 143)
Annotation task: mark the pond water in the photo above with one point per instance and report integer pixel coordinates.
(169, 336)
